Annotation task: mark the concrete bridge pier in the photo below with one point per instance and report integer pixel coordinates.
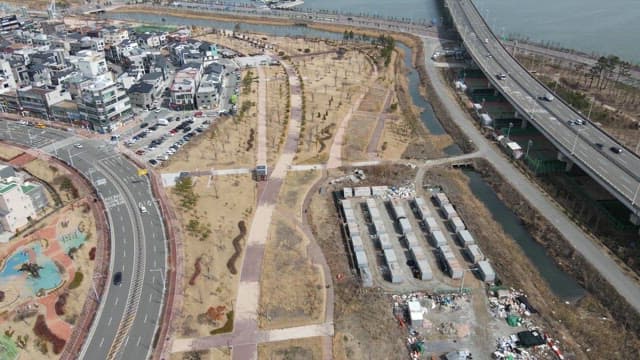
(634, 219)
(569, 163)
(525, 122)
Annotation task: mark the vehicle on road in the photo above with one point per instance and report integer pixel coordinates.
(41, 125)
(117, 278)
(501, 76)
(599, 145)
(580, 122)
(547, 97)
(23, 122)
(144, 125)
(77, 146)
(157, 111)
(615, 150)
(143, 209)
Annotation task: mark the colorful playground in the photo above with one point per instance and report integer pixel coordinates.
(42, 290)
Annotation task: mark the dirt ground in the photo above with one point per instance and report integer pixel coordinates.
(277, 116)
(211, 354)
(53, 175)
(292, 288)
(9, 152)
(579, 326)
(330, 84)
(365, 327)
(300, 349)
(222, 146)
(227, 40)
(221, 206)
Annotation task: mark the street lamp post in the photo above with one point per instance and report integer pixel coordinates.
(509, 131)
(529, 144)
(590, 108)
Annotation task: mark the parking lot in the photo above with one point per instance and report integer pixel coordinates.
(157, 142)
(162, 132)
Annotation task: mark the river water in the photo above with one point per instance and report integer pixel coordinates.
(603, 27)
(560, 282)
(563, 285)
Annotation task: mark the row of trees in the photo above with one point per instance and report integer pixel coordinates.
(605, 70)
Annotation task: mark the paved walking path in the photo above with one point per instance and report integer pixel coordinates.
(591, 249)
(335, 152)
(261, 157)
(372, 147)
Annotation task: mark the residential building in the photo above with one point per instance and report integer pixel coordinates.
(19, 200)
(114, 35)
(91, 64)
(65, 111)
(141, 94)
(207, 94)
(8, 23)
(156, 80)
(103, 104)
(7, 81)
(38, 100)
(184, 86)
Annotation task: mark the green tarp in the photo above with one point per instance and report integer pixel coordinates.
(513, 320)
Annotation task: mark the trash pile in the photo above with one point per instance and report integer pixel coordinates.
(409, 309)
(514, 306)
(357, 176)
(527, 345)
(400, 192)
(509, 302)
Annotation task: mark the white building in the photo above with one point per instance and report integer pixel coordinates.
(183, 89)
(16, 208)
(91, 64)
(114, 36)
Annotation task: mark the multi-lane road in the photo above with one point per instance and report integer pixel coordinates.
(586, 145)
(127, 317)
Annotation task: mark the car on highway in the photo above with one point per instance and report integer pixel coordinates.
(143, 209)
(117, 278)
(615, 150)
(77, 146)
(501, 76)
(547, 97)
(580, 122)
(599, 145)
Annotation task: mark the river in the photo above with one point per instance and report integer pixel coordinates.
(603, 27)
(560, 282)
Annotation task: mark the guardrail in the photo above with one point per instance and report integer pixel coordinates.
(600, 178)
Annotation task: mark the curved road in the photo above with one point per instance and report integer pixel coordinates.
(138, 243)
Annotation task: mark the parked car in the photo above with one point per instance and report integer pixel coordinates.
(144, 125)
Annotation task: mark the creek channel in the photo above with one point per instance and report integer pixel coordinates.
(427, 116)
(563, 285)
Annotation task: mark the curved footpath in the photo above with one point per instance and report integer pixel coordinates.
(138, 247)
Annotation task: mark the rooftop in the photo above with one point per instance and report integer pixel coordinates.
(4, 188)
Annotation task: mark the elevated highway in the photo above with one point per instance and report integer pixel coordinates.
(587, 145)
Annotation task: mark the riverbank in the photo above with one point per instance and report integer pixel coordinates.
(413, 42)
(589, 319)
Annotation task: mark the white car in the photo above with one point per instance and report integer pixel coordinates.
(143, 209)
(23, 122)
(77, 146)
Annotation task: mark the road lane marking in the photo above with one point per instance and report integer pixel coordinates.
(101, 342)
(139, 339)
(116, 302)
(150, 296)
(145, 318)
(109, 323)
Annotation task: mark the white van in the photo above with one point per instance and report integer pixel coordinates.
(163, 122)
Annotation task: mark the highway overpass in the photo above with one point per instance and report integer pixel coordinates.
(128, 314)
(587, 146)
